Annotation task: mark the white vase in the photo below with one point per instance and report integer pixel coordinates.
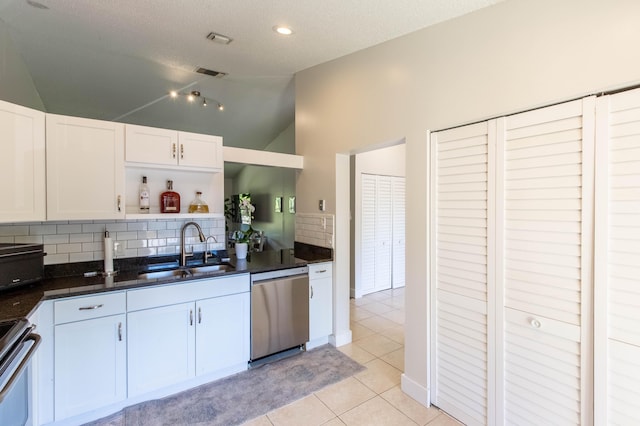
(241, 250)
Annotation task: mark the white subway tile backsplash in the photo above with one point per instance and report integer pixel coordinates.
(33, 239)
(79, 241)
(57, 239)
(131, 235)
(78, 238)
(42, 229)
(81, 257)
(69, 229)
(315, 229)
(137, 226)
(147, 252)
(52, 259)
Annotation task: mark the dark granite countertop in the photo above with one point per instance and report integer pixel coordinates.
(19, 302)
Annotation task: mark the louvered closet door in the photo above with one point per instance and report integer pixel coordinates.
(617, 266)
(368, 234)
(461, 250)
(398, 225)
(383, 233)
(544, 222)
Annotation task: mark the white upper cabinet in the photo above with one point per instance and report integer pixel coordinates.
(85, 168)
(153, 147)
(22, 163)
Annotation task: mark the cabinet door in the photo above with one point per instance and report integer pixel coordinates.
(90, 365)
(320, 301)
(151, 145)
(22, 164)
(161, 347)
(85, 168)
(222, 332)
(200, 151)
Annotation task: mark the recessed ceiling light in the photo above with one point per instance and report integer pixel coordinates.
(283, 30)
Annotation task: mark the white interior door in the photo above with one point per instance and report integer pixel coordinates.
(544, 220)
(461, 280)
(382, 279)
(367, 234)
(617, 260)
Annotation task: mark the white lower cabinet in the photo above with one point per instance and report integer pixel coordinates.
(180, 331)
(222, 331)
(320, 301)
(90, 354)
(161, 347)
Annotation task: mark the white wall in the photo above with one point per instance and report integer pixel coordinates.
(513, 56)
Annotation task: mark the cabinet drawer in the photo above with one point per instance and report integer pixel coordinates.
(88, 307)
(320, 270)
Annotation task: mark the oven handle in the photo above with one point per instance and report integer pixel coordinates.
(23, 364)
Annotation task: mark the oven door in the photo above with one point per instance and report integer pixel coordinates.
(15, 383)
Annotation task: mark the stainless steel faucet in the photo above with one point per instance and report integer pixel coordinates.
(183, 251)
(207, 253)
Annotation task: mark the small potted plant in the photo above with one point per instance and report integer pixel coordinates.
(242, 239)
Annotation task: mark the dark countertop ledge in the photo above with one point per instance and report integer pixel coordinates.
(20, 302)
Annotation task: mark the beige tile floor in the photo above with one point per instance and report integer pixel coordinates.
(373, 396)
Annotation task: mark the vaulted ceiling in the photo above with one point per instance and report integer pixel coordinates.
(118, 59)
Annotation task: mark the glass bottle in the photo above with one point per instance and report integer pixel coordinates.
(169, 200)
(197, 205)
(144, 196)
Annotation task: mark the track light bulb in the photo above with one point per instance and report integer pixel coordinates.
(173, 94)
(220, 107)
(204, 102)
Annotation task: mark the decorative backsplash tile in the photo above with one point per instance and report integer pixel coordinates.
(81, 241)
(315, 229)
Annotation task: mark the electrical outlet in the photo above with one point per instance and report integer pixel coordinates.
(321, 205)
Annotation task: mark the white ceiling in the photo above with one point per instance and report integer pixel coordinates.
(117, 59)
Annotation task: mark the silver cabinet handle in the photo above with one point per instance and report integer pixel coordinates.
(120, 331)
(181, 151)
(89, 308)
(119, 203)
(311, 292)
(199, 315)
(173, 150)
(321, 271)
(190, 316)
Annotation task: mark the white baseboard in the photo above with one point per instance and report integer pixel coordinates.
(340, 339)
(415, 390)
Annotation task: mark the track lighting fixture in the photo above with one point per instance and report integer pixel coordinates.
(192, 96)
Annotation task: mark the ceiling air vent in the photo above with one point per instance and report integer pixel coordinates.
(219, 38)
(212, 73)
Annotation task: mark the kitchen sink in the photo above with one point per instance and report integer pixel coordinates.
(186, 272)
(209, 269)
(174, 273)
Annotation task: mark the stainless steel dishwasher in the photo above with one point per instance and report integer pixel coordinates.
(279, 311)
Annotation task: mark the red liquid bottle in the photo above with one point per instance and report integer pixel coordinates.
(169, 200)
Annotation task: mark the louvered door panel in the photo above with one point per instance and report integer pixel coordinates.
(398, 246)
(618, 260)
(460, 276)
(383, 233)
(368, 235)
(545, 174)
